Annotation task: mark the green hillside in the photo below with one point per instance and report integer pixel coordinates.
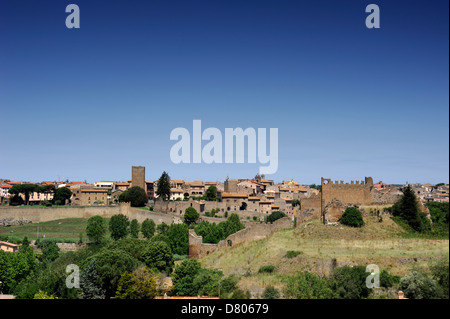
(320, 248)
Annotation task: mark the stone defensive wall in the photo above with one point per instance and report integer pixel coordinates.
(44, 214)
(355, 192)
(258, 231)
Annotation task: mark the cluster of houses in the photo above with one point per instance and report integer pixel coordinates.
(256, 194)
(431, 193)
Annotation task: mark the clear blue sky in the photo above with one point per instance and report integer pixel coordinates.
(348, 101)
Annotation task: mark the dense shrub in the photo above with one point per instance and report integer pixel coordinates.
(191, 215)
(416, 285)
(178, 235)
(350, 282)
(111, 264)
(307, 286)
(387, 280)
(135, 195)
(293, 253)
(440, 273)
(439, 215)
(267, 269)
(213, 233)
(271, 293)
(352, 217)
(159, 257)
(407, 209)
(140, 284)
(274, 216)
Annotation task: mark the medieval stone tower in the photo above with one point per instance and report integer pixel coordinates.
(230, 185)
(138, 176)
(353, 193)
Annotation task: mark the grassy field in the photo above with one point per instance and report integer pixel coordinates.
(384, 244)
(65, 229)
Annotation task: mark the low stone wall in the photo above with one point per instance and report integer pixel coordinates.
(44, 214)
(198, 249)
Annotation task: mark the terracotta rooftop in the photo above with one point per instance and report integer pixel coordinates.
(195, 183)
(5, 243)
(122, 184)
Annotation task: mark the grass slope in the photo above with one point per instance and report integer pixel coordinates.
(64, 229)
(382, 243)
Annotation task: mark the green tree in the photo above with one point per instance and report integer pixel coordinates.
(148, 228)
(89, 284)
(211, 193)
(350, 282)
(274, 216)
(135, 247)
(207, 282)
(134, 228)
(62, 195)
(231, 225)
(140, 284)
(161, 237)
(50, 252)
(191, 215)
(178, 235)
(210, 232)
(15, 267)
(163, 186)
(25, 189)
(407, 208)
(96, 229)
(16, 200)
(118, 226)
(135, 195)
(159, 257)
(183, 277)
(352, 217)
(111, 264)
(439, 215)
(416, 285)
(440, 272)
(162, 228)
(307, 286)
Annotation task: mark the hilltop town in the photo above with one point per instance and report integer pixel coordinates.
(256, 196)
(241, 226)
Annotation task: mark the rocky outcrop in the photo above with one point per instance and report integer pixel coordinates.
(13, 222)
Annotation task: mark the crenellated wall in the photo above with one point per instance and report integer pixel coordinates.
(355, 192)
(198, 249)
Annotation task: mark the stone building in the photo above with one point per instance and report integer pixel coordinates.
(88, 196)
